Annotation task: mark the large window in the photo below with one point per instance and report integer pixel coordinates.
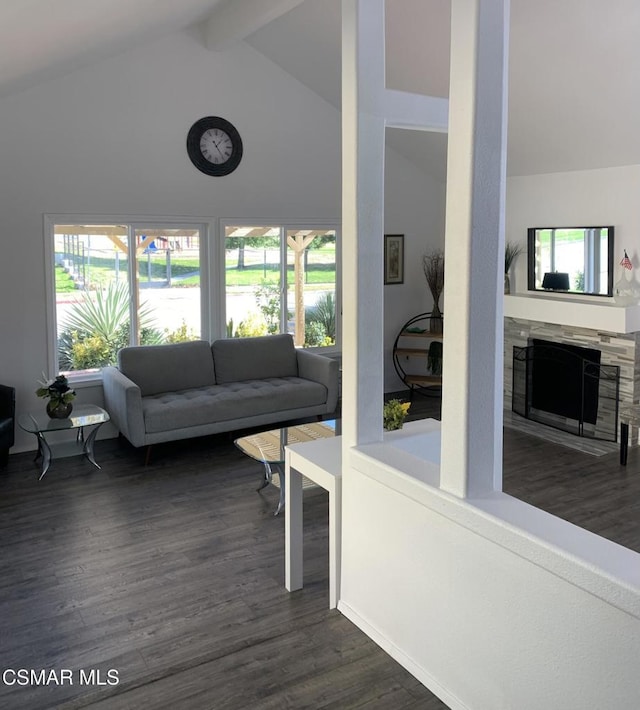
(120, 284)
(282, 279)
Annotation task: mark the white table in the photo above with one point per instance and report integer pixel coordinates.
(321, 462)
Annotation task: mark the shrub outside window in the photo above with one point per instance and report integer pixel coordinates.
(122, 284)
(282, 280)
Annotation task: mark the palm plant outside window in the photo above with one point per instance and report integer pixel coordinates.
(123, 284)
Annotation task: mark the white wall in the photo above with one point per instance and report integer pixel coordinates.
(602, 197)
(110, 140)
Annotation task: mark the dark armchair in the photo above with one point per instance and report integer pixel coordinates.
(7, 422)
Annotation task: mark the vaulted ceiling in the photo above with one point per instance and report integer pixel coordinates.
(574, 94)
(574, 101)
(40, 40)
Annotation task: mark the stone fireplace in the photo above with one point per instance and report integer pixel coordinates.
(612, 330)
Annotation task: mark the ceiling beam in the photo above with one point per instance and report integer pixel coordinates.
(235, 20)
(415, 111)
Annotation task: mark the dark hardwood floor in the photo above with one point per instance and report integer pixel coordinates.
(172, 575)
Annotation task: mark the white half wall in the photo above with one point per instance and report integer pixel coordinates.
(479, 603)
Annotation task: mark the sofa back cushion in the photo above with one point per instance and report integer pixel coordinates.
(167, 368)
(238, 359)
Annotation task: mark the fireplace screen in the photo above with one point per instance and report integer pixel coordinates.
(567, 387)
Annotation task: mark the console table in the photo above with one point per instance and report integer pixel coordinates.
(321, 461)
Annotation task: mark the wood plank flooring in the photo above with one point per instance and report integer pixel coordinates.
(172, 575)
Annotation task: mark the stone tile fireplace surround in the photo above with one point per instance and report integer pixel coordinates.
(603, 325)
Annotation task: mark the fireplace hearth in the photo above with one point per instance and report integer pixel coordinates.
(567, 387)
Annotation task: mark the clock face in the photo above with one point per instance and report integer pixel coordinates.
(214, 146)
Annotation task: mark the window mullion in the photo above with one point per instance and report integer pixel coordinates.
(134, 296)
(284, 286)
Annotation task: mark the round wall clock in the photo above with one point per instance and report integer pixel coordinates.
(214, 146)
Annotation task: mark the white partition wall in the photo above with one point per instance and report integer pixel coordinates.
(367, 109)
(493, 604)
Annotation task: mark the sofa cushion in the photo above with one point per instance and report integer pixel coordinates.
(236, 400)
(238, 359)
(164, 368)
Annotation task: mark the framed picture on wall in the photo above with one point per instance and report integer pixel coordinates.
(394, 258)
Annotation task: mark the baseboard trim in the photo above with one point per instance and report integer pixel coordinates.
(401, 657)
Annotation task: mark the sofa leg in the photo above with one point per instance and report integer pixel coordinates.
(147, 455)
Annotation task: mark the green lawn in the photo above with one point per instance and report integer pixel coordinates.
(255, 274)
(64, 282)
(185, 271)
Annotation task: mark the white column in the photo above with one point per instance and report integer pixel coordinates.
(362, 220)
(474, 244)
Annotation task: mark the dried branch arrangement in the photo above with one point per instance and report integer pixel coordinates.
(511, 253)
(433, 267)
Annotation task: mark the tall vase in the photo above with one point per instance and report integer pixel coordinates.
(435, 322)
(507, 283)
(59, 410)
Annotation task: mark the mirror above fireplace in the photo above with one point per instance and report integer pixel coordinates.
(585, 254)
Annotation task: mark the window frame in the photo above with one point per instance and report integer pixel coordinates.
(212, 277)
(208, 256)
(284, 226)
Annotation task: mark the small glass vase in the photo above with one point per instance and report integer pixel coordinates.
(624, 290)
(59, 410)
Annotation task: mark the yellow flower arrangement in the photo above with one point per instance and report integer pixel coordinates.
(394, 413)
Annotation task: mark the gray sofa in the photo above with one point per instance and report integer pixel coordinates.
(166, 392)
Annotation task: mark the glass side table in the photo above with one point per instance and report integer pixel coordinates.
(629, 415)
(83, 415)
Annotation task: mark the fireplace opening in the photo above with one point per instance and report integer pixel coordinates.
(566, 386)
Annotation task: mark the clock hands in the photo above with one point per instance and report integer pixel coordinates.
(218, 149)
(216, 144)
